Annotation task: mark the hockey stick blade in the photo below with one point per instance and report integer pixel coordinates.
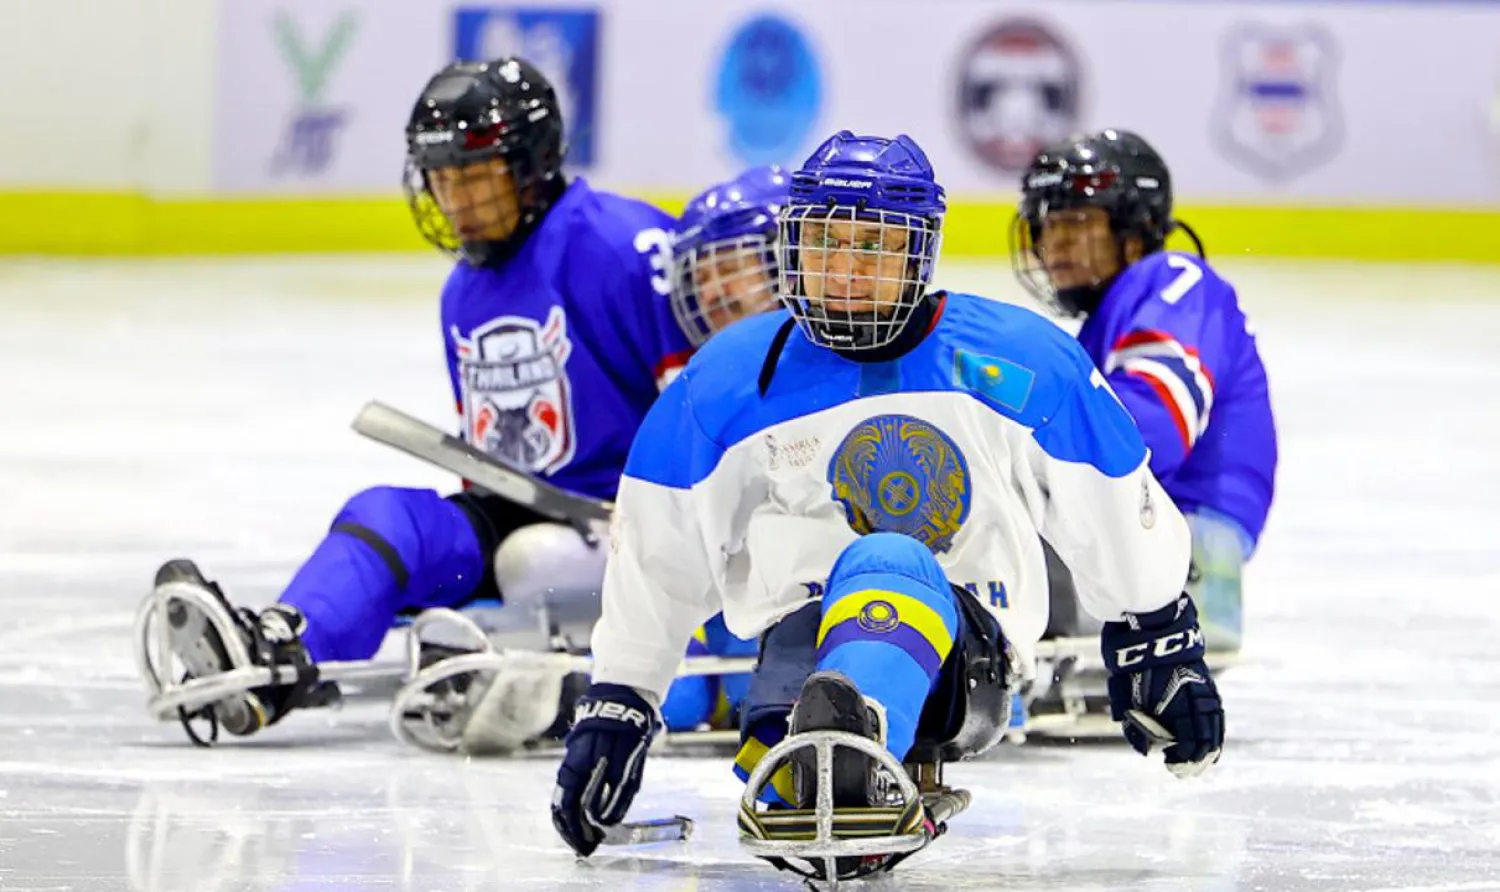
(398, 430)
(673, 829)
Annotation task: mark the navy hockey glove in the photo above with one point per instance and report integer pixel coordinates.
(601, 772)
(1160, 688)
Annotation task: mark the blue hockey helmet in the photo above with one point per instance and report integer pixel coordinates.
(859, 240)
(723, 252)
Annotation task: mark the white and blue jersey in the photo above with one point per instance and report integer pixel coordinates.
(995, 429)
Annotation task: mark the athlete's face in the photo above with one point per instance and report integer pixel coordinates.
(1077, 248)
(854, 266)
(478, 199)
(732, 283)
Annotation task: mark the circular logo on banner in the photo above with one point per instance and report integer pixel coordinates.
(769, 91)
(899, 474)
(1018, 90)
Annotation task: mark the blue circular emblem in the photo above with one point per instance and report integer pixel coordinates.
(769, 90)
(899, 474)
(878, 617)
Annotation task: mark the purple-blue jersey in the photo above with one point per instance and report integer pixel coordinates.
(556, 355)
(1175, 346)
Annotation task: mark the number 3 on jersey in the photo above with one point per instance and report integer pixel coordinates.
(657, 244)
(1189, 274)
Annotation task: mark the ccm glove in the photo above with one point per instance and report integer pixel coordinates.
(1160, 688)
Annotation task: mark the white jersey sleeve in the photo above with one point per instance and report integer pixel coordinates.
(658, 584)
(1125, 543)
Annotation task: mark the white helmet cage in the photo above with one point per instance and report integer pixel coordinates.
(716, 283)
(853, 278)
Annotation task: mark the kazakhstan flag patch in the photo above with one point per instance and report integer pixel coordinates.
(1000, 381)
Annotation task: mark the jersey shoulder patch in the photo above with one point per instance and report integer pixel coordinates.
(1016, 361)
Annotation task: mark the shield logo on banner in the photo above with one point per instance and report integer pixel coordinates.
(1278, 113)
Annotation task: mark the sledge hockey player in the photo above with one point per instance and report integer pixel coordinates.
(559, 331)
(723, 270)
(1173, 343)
(724, 252)
(864, 483)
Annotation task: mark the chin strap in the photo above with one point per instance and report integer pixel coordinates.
(1197, 242)
(778, 343)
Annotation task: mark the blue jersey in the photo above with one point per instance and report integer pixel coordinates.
(994, 433)
(556, 356)
(1176, 347)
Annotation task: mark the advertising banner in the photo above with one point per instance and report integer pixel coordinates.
(1277, 103)
(314, 94)
(563, 43)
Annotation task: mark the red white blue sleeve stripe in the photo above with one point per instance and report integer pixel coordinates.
(1174, 372)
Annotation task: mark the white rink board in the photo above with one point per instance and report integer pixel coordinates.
(1390, 103)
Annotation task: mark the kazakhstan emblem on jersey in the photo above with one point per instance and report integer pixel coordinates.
(899, 474)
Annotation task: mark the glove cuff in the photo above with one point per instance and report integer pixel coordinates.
(1163, 637)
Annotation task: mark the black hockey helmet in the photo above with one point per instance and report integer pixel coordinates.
(471, 113)
(1114, 170)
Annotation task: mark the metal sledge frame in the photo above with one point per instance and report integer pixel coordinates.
(171, 699)
(415, 693)
(168, 699)
(759, 826)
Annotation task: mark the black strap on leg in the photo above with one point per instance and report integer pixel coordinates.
(381, 547)
(280, 696)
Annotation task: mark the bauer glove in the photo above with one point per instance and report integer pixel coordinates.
(601, 772)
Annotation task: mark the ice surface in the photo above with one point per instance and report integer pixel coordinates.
(154, 409)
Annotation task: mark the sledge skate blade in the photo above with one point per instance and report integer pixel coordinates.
(153, 656)
(413, 717)
(823, 833)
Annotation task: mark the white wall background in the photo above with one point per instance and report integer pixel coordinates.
(106, 94)
(121, 94)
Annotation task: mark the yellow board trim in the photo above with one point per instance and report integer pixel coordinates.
(133, 224)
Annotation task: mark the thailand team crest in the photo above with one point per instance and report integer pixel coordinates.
(899, 474)
(1278, 113)
(1018, 90)
(517, 402)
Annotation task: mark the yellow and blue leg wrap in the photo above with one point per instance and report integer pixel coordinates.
(889, 622)
(759, 739)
